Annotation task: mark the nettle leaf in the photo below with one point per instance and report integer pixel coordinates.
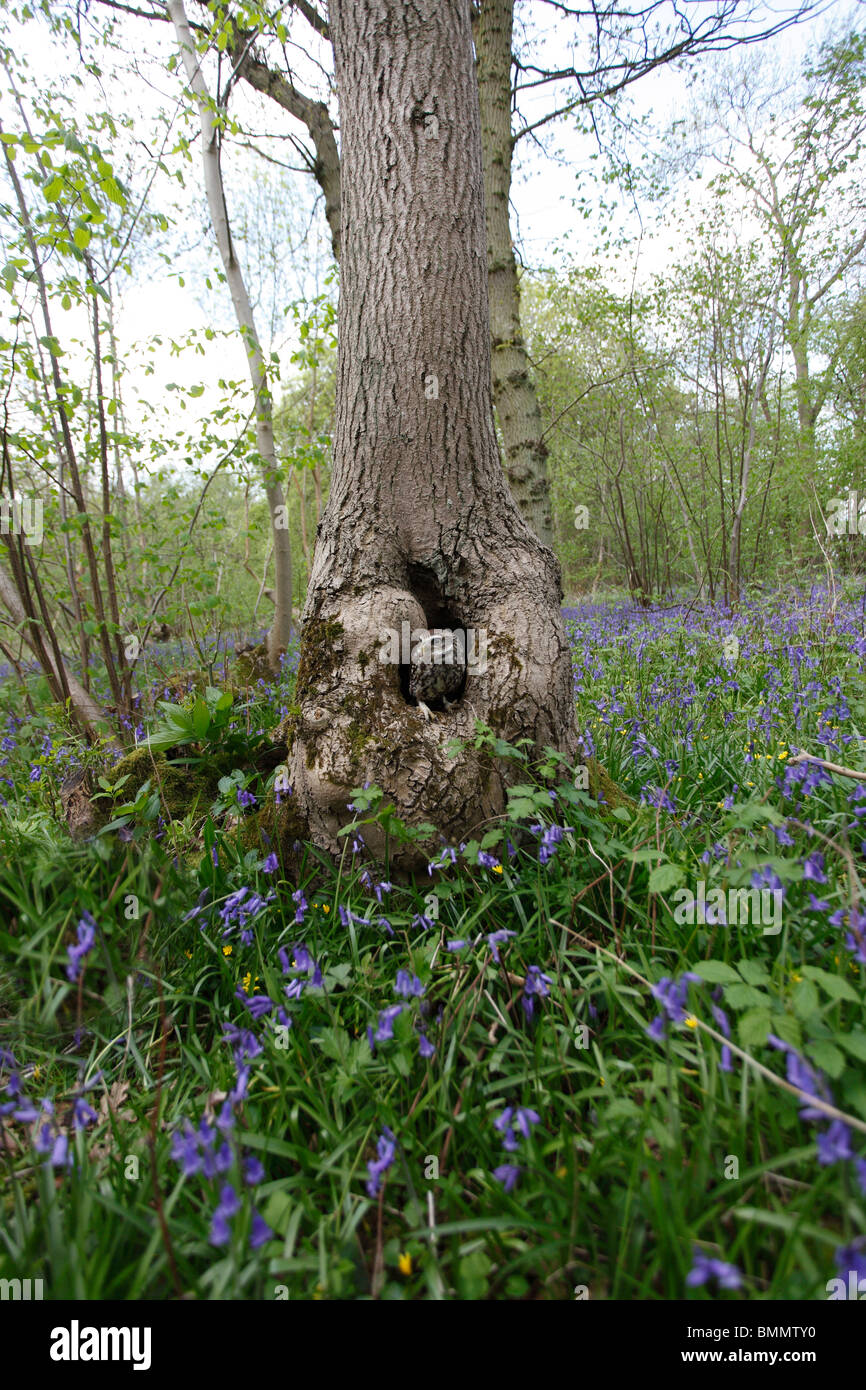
(753, 1027)
(753, 972)
(834, 985)
(493, 837)
(716, 972)
(827, 1057)
(804, 999)
(855, 1044)
(664, 877)
(742, 996)
(787, 1028)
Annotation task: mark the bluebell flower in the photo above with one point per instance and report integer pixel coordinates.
(722, 1020)
(447, 855)
(817, 904)
(507, 1174)
(386, 1148)
(83, 946)
(834, 1145)
(82, 1113)
(385, 1025)
(768, 878)
(851, 1257)
(254, 1172)
(407, 985)
(672, 994)
(260, 1231)
(495, 939)
(813, 868)
(550, 840)
(705, 1268)
(258, 1004)
(223, 1158)
(524, 1119)
(185, 1151)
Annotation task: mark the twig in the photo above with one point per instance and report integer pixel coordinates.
(814, 1102)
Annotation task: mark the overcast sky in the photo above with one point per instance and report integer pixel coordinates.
(550, 175)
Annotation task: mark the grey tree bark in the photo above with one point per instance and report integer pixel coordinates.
(420, 526)
(514, 394)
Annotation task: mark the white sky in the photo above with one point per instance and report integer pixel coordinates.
(547, 228)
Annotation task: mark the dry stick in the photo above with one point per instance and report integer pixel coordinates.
(831, 767)
(813, 1101)
(154, 1120)
(378, 1275)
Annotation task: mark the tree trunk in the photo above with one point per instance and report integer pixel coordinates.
(420, 528)
(513, 387)
(281, 627)
(85, 709)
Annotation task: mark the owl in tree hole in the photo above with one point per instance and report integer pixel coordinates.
(438, 669)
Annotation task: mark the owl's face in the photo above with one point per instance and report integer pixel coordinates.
(437, 648)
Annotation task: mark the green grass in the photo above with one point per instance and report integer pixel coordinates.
(643, 1149)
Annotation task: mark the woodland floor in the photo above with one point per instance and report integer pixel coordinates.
(500, 1082)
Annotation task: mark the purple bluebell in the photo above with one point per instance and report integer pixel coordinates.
(704, 1268)
(386, 1148)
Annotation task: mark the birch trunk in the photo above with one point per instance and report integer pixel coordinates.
(85, 708)
(281, 628)
(513, 388)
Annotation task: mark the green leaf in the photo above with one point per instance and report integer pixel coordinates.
(787, 1028)
(742, 996)
(664, 877)
(717, 972)
(81, 236)
(855, 1043)
(827, 1057)
(472, 1275)
(804, 999)
(753, 1027)
(200, 718)
(834, 985)
(753, 972)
